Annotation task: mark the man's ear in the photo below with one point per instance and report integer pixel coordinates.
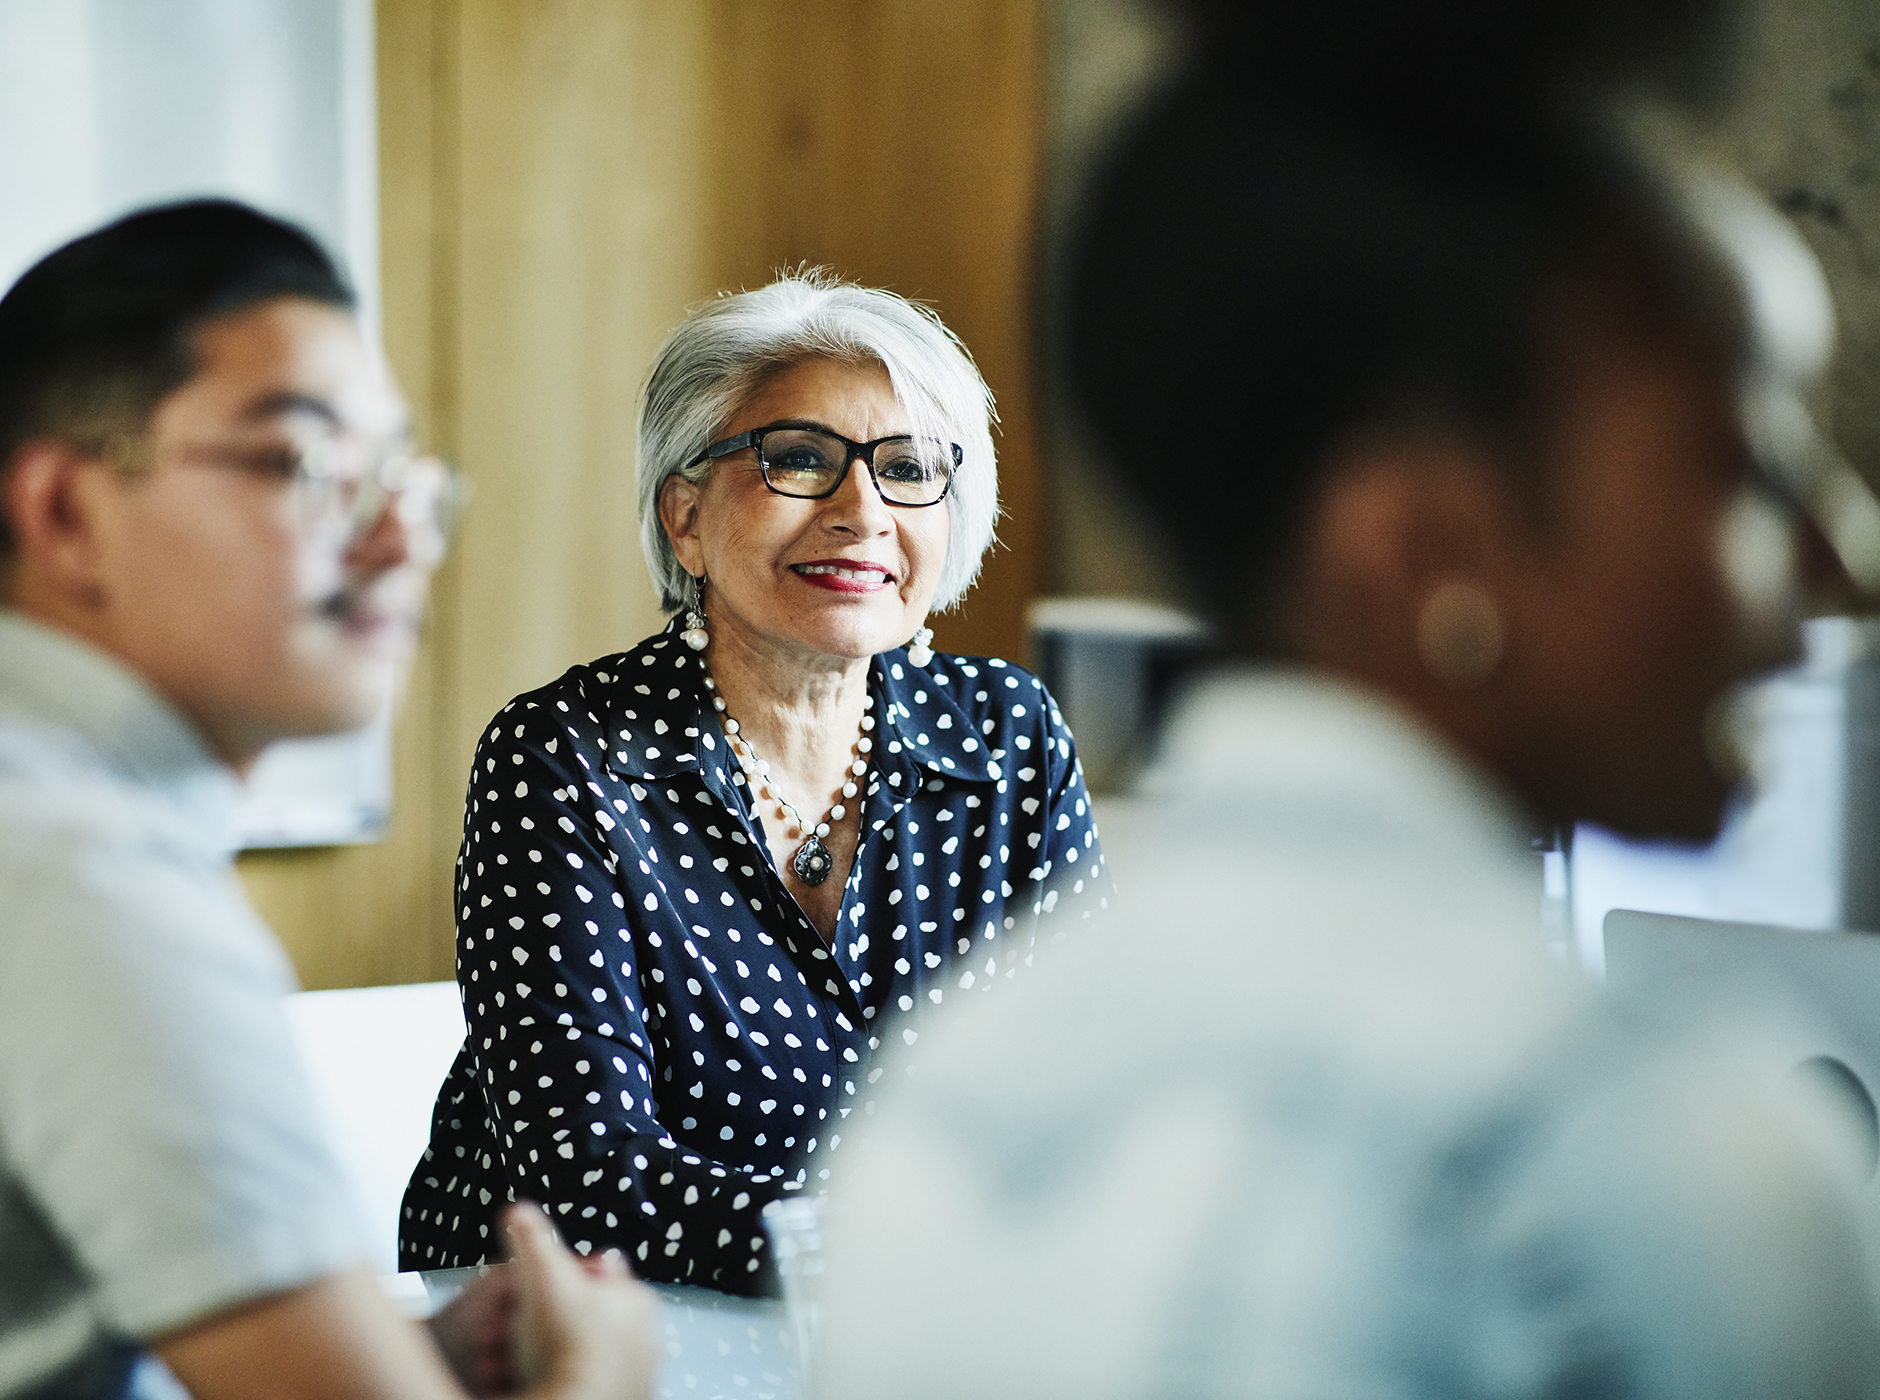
(52, 500)
(678, 512)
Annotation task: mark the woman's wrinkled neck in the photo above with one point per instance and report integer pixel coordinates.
(791, 702)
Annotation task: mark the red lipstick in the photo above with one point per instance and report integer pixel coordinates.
(844, 575)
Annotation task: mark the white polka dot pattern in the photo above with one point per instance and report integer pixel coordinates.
(659, 1042)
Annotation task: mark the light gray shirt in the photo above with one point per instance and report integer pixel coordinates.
(1317, 1117)
(160, 1159)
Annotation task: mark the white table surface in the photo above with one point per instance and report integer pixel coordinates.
(717, 1347)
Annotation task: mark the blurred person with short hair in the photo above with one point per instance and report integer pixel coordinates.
(214, 536)
(1434, 367)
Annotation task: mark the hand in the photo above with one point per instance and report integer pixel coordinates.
(582, 1327)
(474, 1331)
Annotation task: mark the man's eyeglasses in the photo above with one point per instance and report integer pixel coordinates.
(809, 463)
(329, 484)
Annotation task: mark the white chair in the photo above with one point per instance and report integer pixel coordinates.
(376, 1056)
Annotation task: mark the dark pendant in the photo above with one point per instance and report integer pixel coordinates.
(812, 861)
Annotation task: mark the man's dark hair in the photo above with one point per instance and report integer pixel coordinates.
(1319, 228)
(95, 334)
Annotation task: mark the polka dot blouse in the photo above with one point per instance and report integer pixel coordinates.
(659, 1041)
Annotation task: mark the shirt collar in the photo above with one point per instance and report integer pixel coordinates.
(951, 750)
(1295, 742)
(75, 693)
(661, 682)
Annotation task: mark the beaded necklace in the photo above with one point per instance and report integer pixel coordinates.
(812, 861)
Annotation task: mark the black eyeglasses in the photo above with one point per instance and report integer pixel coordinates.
(810, 463)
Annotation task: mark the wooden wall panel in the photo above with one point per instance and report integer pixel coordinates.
(585, 176)
(560, 180)
(898, 141)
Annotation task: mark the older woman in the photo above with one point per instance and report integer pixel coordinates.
(699, 880)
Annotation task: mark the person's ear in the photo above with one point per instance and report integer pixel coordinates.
(1407, 553)
(53, 499)
(678, 512)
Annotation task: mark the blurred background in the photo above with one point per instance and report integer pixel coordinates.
(532, 193)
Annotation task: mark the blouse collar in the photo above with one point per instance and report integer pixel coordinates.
(668, 728)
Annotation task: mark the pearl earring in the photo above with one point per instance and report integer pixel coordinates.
(695, 635)
(1459, 634)
(920, 650)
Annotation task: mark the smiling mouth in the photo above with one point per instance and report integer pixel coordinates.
(862, 573)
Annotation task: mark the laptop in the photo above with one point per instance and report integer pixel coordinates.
(1824, 987)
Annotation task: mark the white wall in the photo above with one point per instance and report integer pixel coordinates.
(109, 105)
(106, 105)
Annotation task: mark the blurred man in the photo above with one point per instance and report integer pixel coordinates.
(213, 537)
(1434, 377)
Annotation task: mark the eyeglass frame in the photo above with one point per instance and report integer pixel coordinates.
(131, 454)
(754, 439)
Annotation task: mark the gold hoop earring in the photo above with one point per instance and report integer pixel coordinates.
(1459, 634)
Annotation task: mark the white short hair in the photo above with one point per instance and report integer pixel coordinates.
(726, 349)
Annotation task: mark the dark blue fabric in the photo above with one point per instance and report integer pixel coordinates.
(659, 1041)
